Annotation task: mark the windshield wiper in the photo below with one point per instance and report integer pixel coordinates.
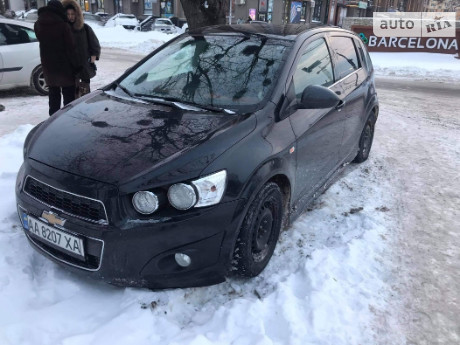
(125, 90)
(183, 105)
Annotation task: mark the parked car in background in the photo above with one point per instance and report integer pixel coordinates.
(19, 14)
(164, 25)
(104, 16)
(9, 14)
(31, 15)
(93, 19)
(196, 157)
(146, 22)
(20, 57)
(128, 21)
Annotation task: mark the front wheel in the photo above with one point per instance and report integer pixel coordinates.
(365, 142)
(259, 232)
(39, 82)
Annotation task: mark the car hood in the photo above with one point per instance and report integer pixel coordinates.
(117, 140)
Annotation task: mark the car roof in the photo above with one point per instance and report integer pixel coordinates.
(17, 22)
(285, 31)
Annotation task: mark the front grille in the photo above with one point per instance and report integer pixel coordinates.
(72, 204)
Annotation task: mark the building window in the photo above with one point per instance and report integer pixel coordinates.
(317, 10)
(166, 8)
(148, 7)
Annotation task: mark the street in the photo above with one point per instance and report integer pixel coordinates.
(422, 150)
(417, 146)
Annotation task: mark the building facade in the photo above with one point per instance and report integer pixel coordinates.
(442, 5)
(159, 8)
(330, 12)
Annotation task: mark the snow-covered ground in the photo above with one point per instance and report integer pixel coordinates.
(345, 273)
(428, 66)
(326, 284)
(134, 41)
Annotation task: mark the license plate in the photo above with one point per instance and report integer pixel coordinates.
(54, 236)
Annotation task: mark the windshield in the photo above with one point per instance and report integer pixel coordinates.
(232, 72)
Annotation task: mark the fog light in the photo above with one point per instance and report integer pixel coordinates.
(183, 260)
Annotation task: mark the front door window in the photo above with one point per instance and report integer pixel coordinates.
(314, 68)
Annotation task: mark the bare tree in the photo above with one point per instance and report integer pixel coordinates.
(201, 13)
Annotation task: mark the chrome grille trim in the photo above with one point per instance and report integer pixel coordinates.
(100, 221)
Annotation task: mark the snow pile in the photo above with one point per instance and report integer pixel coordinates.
(327, 283)
(132, 40)
(433, 66)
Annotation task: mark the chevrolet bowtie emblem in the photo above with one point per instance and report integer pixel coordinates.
(53, 218)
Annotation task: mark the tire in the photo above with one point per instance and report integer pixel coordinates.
(365, 142)
(259, 232)
(38, 81)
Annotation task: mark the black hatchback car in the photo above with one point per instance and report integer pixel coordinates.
(187, 167)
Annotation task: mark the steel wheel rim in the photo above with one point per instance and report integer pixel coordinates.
(263, 234)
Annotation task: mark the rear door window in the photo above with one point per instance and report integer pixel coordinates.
(345, 54)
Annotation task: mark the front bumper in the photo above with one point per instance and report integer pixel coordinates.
(133, 252)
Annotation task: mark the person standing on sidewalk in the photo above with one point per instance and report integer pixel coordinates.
(87, 45)
(57, 53)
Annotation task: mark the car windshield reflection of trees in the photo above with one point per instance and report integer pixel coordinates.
(232, 72)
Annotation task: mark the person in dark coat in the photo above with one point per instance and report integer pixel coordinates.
(57, 53)
(87, 44)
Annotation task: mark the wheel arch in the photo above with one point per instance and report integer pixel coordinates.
(374, 112)
(275, 170)
(271, 171)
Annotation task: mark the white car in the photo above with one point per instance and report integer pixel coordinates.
(20, 63)
(128, 21)
(164, 25)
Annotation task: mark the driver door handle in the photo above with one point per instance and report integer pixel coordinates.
(340, 106)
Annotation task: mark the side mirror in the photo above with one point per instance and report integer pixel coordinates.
(318, 97)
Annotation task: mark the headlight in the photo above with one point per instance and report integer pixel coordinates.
(210, 188)
(182, 196)
(145, 202)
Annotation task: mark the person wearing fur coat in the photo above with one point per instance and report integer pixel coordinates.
(88, 47)
(57, 54)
